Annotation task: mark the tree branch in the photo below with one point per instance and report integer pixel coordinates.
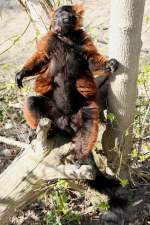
(9, 141)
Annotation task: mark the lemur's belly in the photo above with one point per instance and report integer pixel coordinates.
(66, 67)
(66, 96)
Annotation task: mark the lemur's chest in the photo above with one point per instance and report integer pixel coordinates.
(66, 66)
(66, 55)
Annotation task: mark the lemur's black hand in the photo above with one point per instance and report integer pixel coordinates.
(112, 65)
(18, 79)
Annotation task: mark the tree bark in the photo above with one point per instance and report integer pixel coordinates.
(124, 45)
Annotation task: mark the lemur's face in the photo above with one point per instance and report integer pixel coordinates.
(66, 19)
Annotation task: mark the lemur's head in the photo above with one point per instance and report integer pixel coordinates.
(68, 18)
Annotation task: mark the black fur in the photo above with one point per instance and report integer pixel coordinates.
(65, 80)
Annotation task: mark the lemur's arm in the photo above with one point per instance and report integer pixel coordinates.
(98, 62)
(37, 61)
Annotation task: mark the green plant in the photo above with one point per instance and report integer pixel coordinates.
(60, 201)
(109, 116)
(51, 219)
(61, 213)
(5, 66)
(124, 182)
(134, 153)
(141, 126)
(147, 19)
(104, 206)
(71, 217)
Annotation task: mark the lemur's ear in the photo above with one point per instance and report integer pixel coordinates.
(79, 9)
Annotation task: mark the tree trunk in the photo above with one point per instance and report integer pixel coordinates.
(124, 45)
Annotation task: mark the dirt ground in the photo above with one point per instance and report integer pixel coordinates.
(13, 53)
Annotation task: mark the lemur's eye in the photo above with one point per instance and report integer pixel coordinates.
(65, 20)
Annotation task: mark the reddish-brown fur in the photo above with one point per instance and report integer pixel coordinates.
(41, 63)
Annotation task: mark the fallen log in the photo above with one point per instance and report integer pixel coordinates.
(29, 173)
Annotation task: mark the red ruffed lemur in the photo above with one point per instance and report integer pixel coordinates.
(64, 63)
